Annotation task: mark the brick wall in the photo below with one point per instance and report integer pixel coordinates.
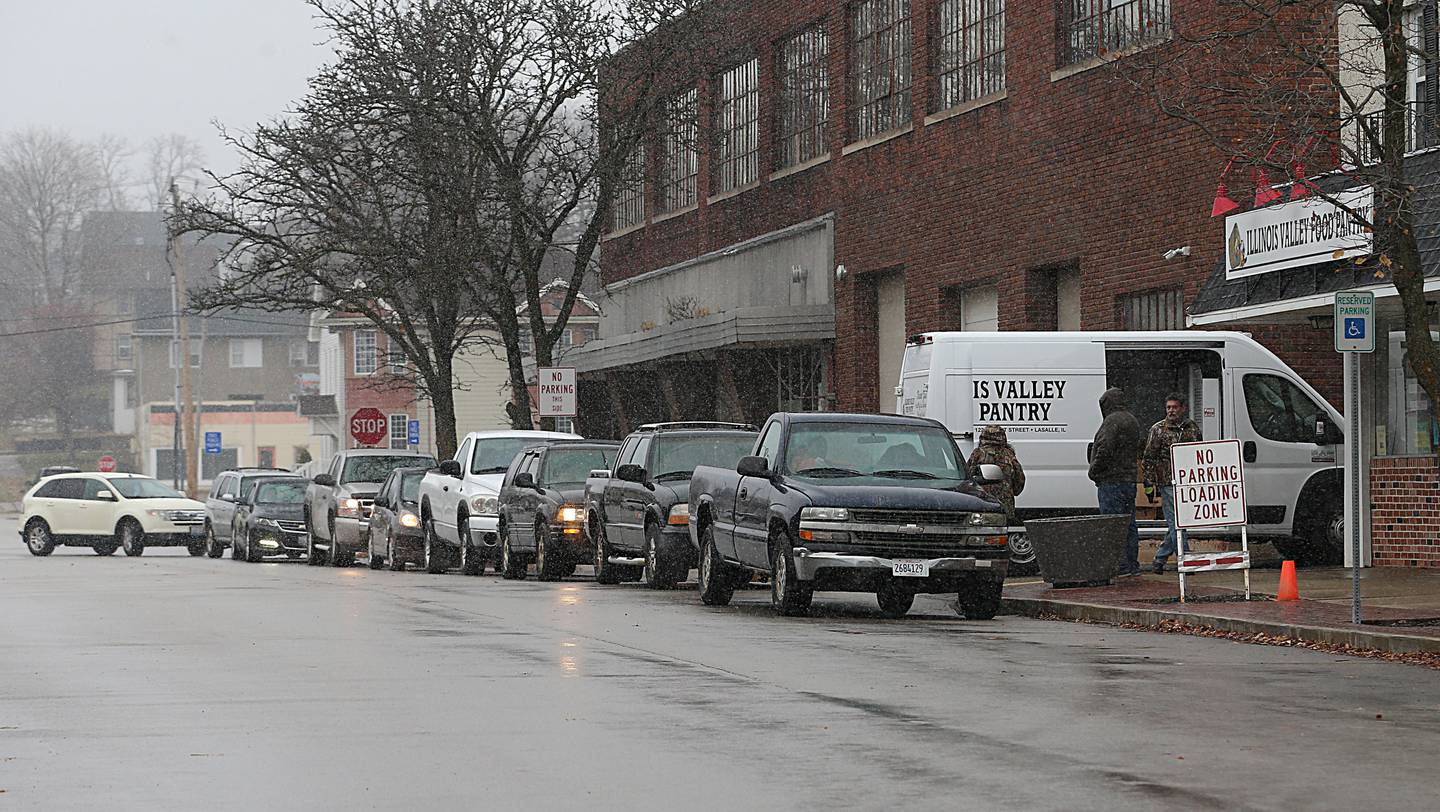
(1405, 513)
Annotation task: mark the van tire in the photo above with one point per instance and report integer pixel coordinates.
(717, 581)
(38, 538)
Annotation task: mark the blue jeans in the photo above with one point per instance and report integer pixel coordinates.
(1118, 499)
(1167, 503)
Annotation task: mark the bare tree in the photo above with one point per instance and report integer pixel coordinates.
(172, 158)
(1318, 92)
(48, 181)
(112, 155)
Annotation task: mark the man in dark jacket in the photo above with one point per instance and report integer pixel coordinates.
(1112, 468)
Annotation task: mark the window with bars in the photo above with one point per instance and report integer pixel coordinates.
(1093, 28)
(630, 192)
(804, 97)
(367, 352)
(680, 161)
(399, 431)
(1153, 310)
(970, 50)
(735, 161)
(879, 66)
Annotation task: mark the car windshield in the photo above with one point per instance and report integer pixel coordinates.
(494, 455)
(143, 488)
(677, 457)
(410, 486)
(280, 493)
(572, 466)
(849, 450)
(376, 468)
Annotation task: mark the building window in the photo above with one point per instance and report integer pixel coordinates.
(367, 353)
(970, 54)
(395, 360)
(1155, 310)
(1093, 28)
(879, 66)
(246, 353)
(980, 309)
(804, 97)
(400, 431)
(124, 349)
(630, 192)
(735, 160)
(565, 424)
(304, 353)
(194, 353)
(680, 161)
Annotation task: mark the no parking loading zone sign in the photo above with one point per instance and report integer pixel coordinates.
(1209, 482)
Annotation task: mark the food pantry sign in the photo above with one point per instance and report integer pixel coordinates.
(557, 391)
(1209, 486)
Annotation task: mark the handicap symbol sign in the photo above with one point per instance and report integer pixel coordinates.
(1355, 329)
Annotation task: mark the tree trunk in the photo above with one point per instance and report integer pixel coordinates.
(442, 400)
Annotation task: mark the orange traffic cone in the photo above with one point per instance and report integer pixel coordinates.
(1289, 589)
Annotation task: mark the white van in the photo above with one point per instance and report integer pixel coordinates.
(1044, 389)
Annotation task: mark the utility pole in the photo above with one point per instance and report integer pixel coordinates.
(187, 394)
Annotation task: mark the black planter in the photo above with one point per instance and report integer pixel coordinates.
(1079, 550)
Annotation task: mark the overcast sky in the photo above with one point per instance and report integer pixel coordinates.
(141, 68)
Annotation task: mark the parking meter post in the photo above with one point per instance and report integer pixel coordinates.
(1245, 545)
(1180, 560)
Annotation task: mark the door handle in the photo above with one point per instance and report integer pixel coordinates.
(744, 492)
(1248, 451)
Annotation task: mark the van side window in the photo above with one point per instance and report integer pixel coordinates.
(770, 445)
(1279, 410)
(93, 489)
(462, 454)
(50, 490)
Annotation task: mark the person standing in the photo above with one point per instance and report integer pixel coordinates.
(1113, 457)
(995, 449)
(1177, 427)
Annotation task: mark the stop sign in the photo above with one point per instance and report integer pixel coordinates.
(106, 465)
(368, 426)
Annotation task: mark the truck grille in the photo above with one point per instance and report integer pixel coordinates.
(949, 518)
(366, 505)
(894, 545)
(291, 525)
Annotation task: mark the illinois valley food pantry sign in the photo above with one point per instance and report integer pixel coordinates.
(1302, 232)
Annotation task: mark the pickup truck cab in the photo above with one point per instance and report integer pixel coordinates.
(459, 500)
(853, 503)
(338, 502)
(638, 515)
(542, 516)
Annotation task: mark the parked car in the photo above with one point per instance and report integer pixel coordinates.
(270, 519)
(106, 512)
(638, 515)
(542, 508)
(337, 502)
(853, 503)
(459, 500)
(225, 492)
(396, 537)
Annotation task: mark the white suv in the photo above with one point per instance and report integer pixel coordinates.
(107, 512)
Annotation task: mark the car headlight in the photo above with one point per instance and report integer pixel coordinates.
(825, 514)
(680, 514)
(167, 515)
(987, 520)
(408, 519)
(485, 505)
(269, 524)
(349, 508)
(569, 514)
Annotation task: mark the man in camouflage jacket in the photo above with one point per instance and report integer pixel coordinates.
(1175, 428)
(995, 449)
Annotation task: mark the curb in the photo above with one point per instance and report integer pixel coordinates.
(1363, 638)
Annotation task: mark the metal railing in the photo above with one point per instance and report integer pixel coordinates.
(1420, 132)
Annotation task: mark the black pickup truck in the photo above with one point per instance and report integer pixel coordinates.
(850, 503)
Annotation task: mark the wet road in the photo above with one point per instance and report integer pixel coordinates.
(168, 682)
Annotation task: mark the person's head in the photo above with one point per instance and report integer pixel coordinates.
(1112, 400)
(1175, 406)
(993, 435)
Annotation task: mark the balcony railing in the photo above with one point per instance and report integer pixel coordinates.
(1420, 132)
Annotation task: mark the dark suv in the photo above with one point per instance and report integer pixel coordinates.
(638, 515)
(542, 509)
(270, 518)
(225, 493)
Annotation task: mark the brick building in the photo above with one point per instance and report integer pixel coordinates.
(855, 172)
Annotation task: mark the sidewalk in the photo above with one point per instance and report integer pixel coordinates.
(1397, 606)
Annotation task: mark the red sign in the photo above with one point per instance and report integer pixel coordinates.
(106, 465)
(368, 426)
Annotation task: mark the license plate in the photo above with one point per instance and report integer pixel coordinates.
(910, 569)
(197, 530)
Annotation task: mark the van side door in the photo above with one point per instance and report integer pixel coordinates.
(1277, 442)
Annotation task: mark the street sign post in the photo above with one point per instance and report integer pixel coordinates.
(106, 465)
(368, 426)
(212, 442)
(1354, 333)
(557, 391)
(1209, 483)
(412, 433)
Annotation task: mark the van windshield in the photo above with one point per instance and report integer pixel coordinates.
(862, 450)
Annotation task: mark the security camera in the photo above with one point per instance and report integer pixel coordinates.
(839, 272)
(1182, 251)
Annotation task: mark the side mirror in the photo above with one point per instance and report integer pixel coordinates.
(630, 472)
(451, 468)
(753, 466)
(1327, 433)
(381, 503)
(228, 497)
(325, 480)
(599, 473)
(107, 496)
(524, 480)
(990, 474)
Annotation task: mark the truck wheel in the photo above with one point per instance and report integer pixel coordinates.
(392, 558)
(38, 538)
(657, 574)
(895, 600)
(717, 582)
(511, 567)
(605, 572)
(434, 556)
(132, 538)
(213, 547)
(548, 565)
(980, 599)
(788, 594)
(253, 553)
(196, 549)
(1327, 536)
(471, 561)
